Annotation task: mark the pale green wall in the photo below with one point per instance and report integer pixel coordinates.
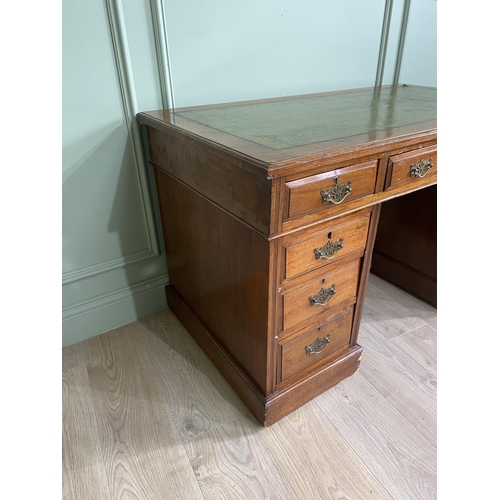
(112, 273)
(224, 50)
(419, 64)
(114, 270)
(419, 55)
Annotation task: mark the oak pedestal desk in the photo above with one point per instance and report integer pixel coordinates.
(269, 211)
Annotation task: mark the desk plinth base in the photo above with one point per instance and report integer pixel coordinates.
(280, 403)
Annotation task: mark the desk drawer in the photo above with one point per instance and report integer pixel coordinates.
(321, 296)
(333, 189)
(415, 167)
(316, 344)
(335, 241)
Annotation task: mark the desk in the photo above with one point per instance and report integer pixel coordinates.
(269, 211)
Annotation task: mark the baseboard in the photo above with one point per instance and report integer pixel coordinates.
(83, 322)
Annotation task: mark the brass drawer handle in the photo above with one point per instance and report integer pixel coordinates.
(318, 345)
(421, 168)
(329, 251)
(337, 193)
(322, 297)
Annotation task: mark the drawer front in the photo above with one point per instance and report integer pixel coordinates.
(333, 243)
(415, 167)
(316, 344)
(320, 296)
(333, 189)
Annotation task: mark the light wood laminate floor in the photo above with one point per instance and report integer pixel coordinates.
(147, 416)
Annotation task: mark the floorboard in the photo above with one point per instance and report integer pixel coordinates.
(317, 461)
(143, 453)
(233, 462)
(421, 345)
(198, 396)
(390, 317)
(418, 308)
(84, 474)
(147, 416)
(73, 356)
(402, 459)
(406, 384)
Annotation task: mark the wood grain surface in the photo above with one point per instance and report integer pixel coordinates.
(402, 459)
(301, 256)
(390, 318)
(73, 356)
(84, 473)
(304, 195)
(145, 416)
(409, 387)
(238, 186)
(405, 251)
(418, 308)
(399, 171)
(198, 396)
(220, 268)
(421, 346)
(300, 444)
(142, 450)
(297, 308)
(337, 331)
(233, 462)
